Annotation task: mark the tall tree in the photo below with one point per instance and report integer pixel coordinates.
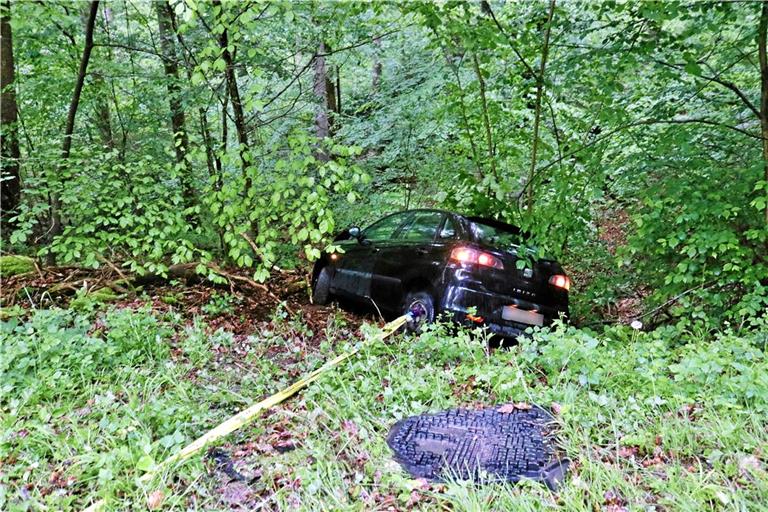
(486, 119)
(762, 35)
(165, 25)
(537, 113)
(234, 93)
(66, 147)
(102, 114)
(376, 71)
(10, 182)
(321, 90)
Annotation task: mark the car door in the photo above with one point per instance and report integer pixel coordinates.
(414, 253)
(355, 266)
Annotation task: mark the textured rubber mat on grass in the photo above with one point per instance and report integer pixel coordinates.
(501, 443)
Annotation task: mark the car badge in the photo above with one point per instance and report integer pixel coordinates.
(528, 273)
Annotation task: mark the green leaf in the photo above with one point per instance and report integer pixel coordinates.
(145, 464)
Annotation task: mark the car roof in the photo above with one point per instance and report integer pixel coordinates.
(470, 218)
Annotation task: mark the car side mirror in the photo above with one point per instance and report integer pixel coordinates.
(354, 232)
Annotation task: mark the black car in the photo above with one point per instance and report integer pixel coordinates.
(429, 262)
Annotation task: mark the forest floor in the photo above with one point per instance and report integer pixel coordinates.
(92, 395)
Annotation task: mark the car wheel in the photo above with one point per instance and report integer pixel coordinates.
(421, 305)
(321, 292)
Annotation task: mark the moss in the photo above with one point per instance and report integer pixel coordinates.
(86, 301)
(14, 264)
(171, 300)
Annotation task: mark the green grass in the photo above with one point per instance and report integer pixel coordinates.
(652, 421)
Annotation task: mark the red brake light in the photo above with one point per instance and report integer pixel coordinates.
(560, 281)
(469, 255)
(462, 254)
(485, 259)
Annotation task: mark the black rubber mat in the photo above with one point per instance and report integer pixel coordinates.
(482, 445)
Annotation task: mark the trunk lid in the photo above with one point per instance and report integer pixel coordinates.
(529, 283)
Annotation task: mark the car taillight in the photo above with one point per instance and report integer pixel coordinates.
(560, 281)
(469, 255)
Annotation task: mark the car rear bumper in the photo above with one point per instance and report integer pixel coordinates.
(468, 304)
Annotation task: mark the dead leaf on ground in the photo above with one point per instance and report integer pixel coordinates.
(236, 494)
(749, 464)
(628, 451)
(511, 407)
(350, 427)
(155, 500)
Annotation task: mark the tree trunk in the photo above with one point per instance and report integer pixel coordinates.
(10, 181)
(69, 129)
(465, 117)
(376, 73)
(224, 133)
(205, 131)
(322, 116)
(333, 105)
(178, 121)
(763, 57)
(338, 91)
(102, 114)
(234, 98)
(486, 118)
(537, 115)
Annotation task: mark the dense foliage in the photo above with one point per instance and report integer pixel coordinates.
(250, 132)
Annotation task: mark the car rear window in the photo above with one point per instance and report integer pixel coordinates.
(496, 235)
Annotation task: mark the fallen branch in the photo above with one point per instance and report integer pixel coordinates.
(116, 269)
(235, 277)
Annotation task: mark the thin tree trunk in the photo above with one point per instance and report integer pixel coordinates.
(537, 115)
(763, 57)
(69, 129)
(224, 134)
(338, 90)
(234, 97)
(102, 113)
(178, 119)
(205, 133)
(330, 107)
(10, 180)
(486, 118)
(465, 118)
(73, 105)
(113, 91)
(205, 130)
(322, 117)
(376, 73)
(219, 166)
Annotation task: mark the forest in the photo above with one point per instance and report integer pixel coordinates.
(172, 169)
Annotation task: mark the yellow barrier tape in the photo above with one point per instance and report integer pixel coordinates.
(247, 415)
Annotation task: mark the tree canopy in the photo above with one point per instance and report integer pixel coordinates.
(631, 139)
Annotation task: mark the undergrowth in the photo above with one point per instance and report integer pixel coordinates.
(665, 420)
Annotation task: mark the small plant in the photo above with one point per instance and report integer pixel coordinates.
(219, 304)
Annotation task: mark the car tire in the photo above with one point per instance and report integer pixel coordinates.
(321, 291)
(422, 305)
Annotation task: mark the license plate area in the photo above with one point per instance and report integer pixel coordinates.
(522, 316)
